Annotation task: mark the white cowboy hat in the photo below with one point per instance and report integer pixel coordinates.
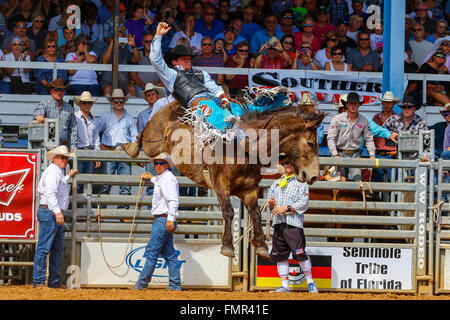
(166, 157)
(389, 97)
(59, 150)
(342, 99)
(150, 86)
(85, 96)
(117, 93)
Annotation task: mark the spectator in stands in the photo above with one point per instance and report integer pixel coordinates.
(355, 24)
(358, 9)
(223, 12)
(82, 80)
(307, 36)
(136, 25)
(197, 9)
(125, 57)
(338, 10)
(59, 21)
(90, 26)
(324, 55)
(288, 44)
(441, 134)
(194, 38)
(263, 36)
(440, 32)
(409, 24)
(345, 42)
(274, 58)
(436, 92)
(286, 25)
(20, 30)
(241, 59)
(362, 58)
(24, 14)
(337, 63)
(229, 38)
(383, 151)
(53, 190)
(323, 27)
(420, 47)
(18, 78)
(279, 6)
(106, 10)
(249, 27)
(299, 12)
(423, 19)
(445, 47)
(87, 128)
(69, 42)
(209, 59)
(56, 108)
(36, 32)
(376, 40)
(237, 25)
(303, 58)
(141, 78)
(209, 25)
(116, 128)
(436, 10)
(45, 76)
(310, 6)
(108, 27)
(166, 16)
(219, 48)
(262, 8)
(345, 135)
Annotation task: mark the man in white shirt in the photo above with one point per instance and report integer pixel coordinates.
(165, 212)
(87, 128)
(53, 190)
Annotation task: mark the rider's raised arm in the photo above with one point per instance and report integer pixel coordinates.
(166, 74)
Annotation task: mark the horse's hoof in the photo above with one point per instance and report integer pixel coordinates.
(228, 252)
(263, 253)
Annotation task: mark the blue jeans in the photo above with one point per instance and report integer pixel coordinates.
(50, 241)
(149, 168)
(77, 89)
(84, 167)
(119, 168)
(378, 173)
(160, 244)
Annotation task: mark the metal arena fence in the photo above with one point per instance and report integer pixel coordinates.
(356, 242)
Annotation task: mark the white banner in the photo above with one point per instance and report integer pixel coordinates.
(325, 87)
(201, 265)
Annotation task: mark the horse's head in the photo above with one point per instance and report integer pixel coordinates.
(299, 142)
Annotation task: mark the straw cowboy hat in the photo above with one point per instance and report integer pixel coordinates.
(117, 93)
(150, 86)
(58, 83)
(84, 97)
(59, 150)
(389, 97)
(166, 157)
(342, 98)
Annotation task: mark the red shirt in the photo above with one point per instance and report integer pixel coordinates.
(240, 81)
(379, 141)
(298, 39)
(277, 63)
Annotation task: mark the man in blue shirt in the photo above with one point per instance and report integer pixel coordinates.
(263, 36)
(209, 25)
(116, 128)
(249, 27)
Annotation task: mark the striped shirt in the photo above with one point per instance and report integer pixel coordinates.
(296, 194)
(214, 61)
(67, 121)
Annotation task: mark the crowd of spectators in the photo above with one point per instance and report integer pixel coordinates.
(281, 34)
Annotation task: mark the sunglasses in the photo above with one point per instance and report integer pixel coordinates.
(439, 56)
(407, 106)
(147, 41)
(337, 54)
(287, 163)
(64, 157)
(446, 44)
(51, 46)
(39, 21)
(17, 44)
(242, 50)
(446, 114)
(118, 101)
(21, 26)
(416, 30)
(86, 102)
(207, 44)
(161, 163)
(308, 25)
(288, 17)
(288, 42)
(363, 39)
(332, 40)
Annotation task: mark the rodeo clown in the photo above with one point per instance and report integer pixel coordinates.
(288, 200)
(207, 107)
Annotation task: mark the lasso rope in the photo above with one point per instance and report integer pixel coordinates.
(141, 188)
(363, 190)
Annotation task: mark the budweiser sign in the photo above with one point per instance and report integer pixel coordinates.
(18, 175)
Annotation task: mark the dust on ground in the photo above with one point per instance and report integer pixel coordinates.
(28, 292)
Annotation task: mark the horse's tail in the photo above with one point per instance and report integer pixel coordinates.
(133, 148)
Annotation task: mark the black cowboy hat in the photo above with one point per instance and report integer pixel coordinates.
(410, 100)
(352, 97)
(178, 51)
(58, 83)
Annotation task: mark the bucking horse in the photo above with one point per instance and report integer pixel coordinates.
(297, 138)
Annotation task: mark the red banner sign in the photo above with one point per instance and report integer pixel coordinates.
(18, 175)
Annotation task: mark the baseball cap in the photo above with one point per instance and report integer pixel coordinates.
(322, 9)
(342, 21)
(231, 29)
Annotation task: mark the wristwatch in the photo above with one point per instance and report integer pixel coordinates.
(288, 208)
